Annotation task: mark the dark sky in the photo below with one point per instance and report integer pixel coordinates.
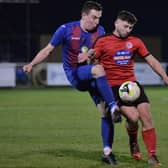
(152, 16)
(21, 24)
(49, 14)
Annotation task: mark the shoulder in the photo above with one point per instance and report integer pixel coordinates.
(101, 28)
(70, 25)
(135, 38)
(73, 23)
(102, 38)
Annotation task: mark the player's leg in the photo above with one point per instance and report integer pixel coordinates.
(106, 91)
(132, 130)
(96, 72)
(102, 84)
(107, 132)
(131, 113)
(82, 80)
(148, 133)
(148, 130)
(132, 116)
(107, 128)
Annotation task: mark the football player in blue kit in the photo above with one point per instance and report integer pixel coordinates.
(77, 38)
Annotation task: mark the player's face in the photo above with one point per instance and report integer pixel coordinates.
(91, 20)
(123, 28)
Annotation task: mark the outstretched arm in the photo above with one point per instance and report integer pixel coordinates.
(41, 55)
(156, 66)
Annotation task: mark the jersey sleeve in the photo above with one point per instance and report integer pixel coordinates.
(58, 36)
(142, 51)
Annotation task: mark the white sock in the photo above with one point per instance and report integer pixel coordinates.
(107, 150)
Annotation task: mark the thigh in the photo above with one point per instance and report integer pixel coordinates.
(134, 110)
(84, 73)
(81, 78)
(130, 112)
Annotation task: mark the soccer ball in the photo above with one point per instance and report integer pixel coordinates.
(129, 91)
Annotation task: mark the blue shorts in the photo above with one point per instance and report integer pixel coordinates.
(81, 78)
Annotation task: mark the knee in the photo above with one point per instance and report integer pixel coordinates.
(134, 118)
(98, 70)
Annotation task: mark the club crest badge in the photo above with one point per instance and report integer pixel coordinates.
(129, 45)
(84, 49)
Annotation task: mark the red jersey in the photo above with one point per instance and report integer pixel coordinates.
(117, 55)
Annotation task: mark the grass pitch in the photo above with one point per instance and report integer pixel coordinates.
(60, 128)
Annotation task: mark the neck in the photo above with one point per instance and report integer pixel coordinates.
(116, 34)
(82, 25)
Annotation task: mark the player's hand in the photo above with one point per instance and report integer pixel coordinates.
(116, 114)
(166, 80)
(91, 53)
(27, 68)
(86, 55)
(82, 57)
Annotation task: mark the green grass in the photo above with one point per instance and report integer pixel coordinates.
(60, 128)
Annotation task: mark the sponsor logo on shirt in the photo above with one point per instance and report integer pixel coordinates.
(122, 57)
(75, 38)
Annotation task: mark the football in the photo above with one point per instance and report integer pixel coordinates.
(129, 91)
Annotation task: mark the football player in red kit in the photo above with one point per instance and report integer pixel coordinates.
(116, 52)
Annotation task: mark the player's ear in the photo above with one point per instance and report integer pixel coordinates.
(83, 14)
(116, 22)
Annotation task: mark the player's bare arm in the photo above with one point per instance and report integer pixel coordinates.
(156, 66)
(42, 54)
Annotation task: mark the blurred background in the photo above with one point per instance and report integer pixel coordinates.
(27, 26)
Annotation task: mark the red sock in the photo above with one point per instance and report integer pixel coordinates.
(132, 133)
(149, 137)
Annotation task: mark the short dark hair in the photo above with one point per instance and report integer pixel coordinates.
(127, 16)
(89, 5)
